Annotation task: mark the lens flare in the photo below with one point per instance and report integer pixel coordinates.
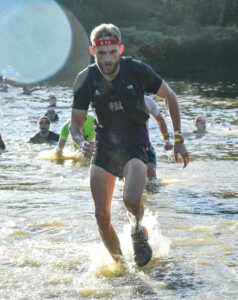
(35, 39)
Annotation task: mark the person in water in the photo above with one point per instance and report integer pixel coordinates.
(52, 115)
(44, 135)
(152, 162)
(200, 124)
(26, 90)
(115, 87)
(88, 133)
(52, 101)
(2, 144)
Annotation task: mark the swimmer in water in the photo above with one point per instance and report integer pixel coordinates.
(200, 124)
(52, 115)
(2, 144)
(44, 135)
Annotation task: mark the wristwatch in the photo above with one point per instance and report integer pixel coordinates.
(178, 138)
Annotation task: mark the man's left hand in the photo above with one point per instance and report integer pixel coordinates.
(179, 148)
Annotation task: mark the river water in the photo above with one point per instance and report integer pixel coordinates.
(49, 243)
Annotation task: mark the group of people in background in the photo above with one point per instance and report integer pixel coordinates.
(45, 135)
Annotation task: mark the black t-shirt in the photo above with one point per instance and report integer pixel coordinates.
(146, 77)
(115, 129)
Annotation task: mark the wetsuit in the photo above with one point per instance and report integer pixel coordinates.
(121, 132)
(37, 139)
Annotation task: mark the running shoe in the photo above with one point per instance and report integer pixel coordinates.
(142, 249)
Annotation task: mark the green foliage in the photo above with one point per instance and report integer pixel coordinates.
(211, 50)
(177, 37)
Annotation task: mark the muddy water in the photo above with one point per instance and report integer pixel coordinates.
(49, 243)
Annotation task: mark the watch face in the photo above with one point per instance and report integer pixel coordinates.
(179, 139)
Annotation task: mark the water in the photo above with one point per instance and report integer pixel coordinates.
(49, 243)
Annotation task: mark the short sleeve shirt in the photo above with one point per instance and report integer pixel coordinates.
(145, 76)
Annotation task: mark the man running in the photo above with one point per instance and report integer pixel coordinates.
(114, 86)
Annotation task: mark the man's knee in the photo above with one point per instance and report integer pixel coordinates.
(131, 203)
(103, 217)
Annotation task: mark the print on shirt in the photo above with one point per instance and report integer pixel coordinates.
(115, 106)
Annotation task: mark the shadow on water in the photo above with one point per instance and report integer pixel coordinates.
(177, 277)
(220, 204)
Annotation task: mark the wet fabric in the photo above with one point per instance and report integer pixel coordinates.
(114, 160)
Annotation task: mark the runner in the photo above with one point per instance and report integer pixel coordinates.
(118, 86)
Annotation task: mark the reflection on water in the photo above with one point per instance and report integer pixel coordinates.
(49, 243)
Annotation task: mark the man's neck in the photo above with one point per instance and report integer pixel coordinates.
(44, 134)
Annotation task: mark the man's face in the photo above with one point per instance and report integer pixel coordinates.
(44, 125)
(51, 114)
(107, 58)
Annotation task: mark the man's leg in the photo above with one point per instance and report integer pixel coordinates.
(102, 185)
(135, 175)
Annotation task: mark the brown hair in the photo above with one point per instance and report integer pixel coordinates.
(44, 117)
(105, 30)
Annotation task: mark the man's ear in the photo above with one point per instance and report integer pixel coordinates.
(91, 50)
(122, 48)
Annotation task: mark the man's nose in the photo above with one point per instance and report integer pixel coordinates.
(108, 57)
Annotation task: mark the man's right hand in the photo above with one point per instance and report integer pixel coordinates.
(88, 149)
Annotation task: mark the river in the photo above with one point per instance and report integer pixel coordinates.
(49, 242)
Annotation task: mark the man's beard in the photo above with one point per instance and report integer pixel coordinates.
(104, 71)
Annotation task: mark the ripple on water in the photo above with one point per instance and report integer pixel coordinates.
(49, 242)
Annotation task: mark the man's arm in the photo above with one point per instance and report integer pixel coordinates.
(166, 93)
(77, 120)
(78, 117)
(59, 148)
(162, 125)
(164, 130)
(64, 133)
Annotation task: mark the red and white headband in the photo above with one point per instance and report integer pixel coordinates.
(105, 41)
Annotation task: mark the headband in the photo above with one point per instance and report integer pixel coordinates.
(104, 41)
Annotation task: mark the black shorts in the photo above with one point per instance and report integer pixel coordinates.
(151, 155)
(114, 160)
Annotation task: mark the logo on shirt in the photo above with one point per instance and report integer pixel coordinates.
(115, 106)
